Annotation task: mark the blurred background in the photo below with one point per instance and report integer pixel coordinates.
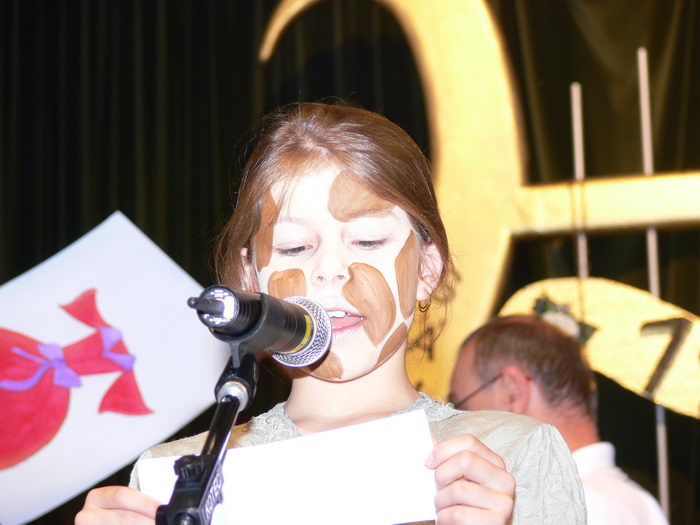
(148, 107)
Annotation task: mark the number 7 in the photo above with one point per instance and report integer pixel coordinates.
(679, 327)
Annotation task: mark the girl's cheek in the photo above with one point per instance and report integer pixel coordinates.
(407, 266)
(368, 291)
(287, 283)
(393, 343)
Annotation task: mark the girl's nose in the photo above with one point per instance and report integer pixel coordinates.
(331, 267)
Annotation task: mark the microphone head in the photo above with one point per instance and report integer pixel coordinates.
(321, 336)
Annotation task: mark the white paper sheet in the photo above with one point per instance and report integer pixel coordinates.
(372, 473)
(143, 294)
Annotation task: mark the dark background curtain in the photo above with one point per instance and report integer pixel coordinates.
(148, 106)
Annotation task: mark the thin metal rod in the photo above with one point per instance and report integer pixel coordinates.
(648, 165)
(653, 269)
(645, 112)
(577, 131)
(579, 175)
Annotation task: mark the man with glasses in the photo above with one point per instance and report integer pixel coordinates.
(527, 365)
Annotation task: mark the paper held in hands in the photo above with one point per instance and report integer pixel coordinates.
(371, 473)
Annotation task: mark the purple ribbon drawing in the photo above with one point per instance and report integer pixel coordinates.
(110, 337)
(63, 376)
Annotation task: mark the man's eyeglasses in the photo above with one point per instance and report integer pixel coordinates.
(495, 378)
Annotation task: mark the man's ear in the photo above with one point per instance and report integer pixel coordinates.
(250, 278)
(517, 387)
(430, 270)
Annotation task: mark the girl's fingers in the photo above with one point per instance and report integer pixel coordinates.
(468, 493)
(108, 505)
(473, 467)
(450, 447)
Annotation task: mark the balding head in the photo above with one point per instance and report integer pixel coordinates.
(546, 355)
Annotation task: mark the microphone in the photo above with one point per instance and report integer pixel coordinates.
(296, 330)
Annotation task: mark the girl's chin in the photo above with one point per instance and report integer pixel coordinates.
(355, 367)
(347, 376)
(345, 336)
(347, 364)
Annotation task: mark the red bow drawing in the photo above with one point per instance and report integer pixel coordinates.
(36, 378)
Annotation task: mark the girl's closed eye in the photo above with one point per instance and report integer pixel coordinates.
(292, 251)
(370, 244)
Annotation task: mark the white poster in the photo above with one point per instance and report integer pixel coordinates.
(100, 358)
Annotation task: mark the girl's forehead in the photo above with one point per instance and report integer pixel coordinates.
(327, 190)
(307, 189)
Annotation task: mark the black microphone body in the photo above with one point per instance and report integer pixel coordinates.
(296, 330)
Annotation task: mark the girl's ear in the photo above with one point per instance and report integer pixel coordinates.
(250, 278)
(430, 270)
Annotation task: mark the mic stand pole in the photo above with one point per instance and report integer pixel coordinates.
(198, 488)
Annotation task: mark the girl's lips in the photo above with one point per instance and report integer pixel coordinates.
(347, 322)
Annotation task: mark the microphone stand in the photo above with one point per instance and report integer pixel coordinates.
(199, 484)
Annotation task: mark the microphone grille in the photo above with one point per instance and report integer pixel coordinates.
(320, 341)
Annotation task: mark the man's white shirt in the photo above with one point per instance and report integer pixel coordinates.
(611, 497)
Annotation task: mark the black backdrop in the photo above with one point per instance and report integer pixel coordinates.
(147, 107)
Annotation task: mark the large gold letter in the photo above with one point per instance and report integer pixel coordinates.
(478, 168)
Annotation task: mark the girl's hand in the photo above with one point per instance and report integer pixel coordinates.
(472, 482)
(117, 505)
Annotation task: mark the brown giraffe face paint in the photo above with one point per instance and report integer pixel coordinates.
(407, 268)
(369, 292)
(262, 240)
(348, 200)
(393, 343)
(287, 283)
(330, 367)
(356, 254)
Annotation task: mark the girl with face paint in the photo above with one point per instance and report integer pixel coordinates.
(337, 204)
